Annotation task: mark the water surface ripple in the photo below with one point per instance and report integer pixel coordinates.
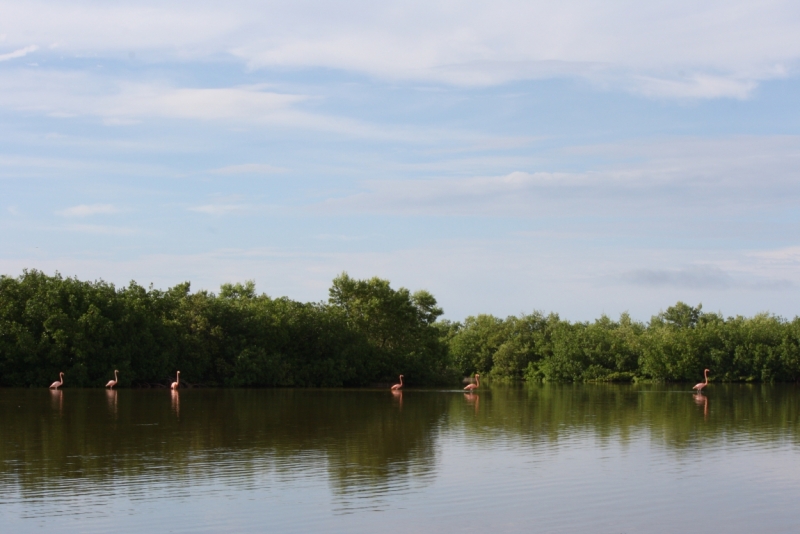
(548, 458)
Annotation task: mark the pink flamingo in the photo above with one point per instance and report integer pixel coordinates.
(701, 385)
(112, 383)
(58, 383)
(476, 385)
(177, 383)
(399, 386)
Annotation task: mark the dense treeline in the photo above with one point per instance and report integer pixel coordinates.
(366, 333)
(675, 345)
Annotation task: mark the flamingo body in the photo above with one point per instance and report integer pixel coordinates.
(476, 385)
(177, 383)
(58, 383)
(399, 386)
(112, 383)
(701, 385)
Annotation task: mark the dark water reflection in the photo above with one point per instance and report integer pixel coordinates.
(558, 458)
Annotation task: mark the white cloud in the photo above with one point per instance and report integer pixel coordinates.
(646, 47)
(668, 177)
(70, 94)
(453, 195)
(482, 44)
(66, 94)
(85, 210)
(22, 52)
(697, 86)
(207, 104)
(784, 262)
(782, 256)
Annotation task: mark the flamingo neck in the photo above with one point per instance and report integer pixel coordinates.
(705, 373)
(401, 380)
(477, 381)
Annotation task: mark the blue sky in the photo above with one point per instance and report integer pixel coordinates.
(584, 158)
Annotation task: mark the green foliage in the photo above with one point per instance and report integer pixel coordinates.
(398, 326)
(676, 345)
(368, 332)
(474, 343)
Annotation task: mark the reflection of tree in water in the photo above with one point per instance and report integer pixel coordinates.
(668, 415)
(365, 443)
(359, 438)
(385, 450)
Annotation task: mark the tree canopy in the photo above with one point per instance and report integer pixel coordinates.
(366, 333)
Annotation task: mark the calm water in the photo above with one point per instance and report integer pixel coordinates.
(542, 459)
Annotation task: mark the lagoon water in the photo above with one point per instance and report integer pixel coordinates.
(546, 458)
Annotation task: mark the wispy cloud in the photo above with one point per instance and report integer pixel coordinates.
(658, 177)
(86, 210)
(22, 52)
(785, 255)
(67, 95)
(727, 46)
(189, 103)
(700, 277)
(453, 195)
(703, 277)
(699, 86)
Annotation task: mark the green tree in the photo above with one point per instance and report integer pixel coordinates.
(398, 325)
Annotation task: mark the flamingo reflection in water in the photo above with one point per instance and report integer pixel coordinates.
(57, 396)
(701, 400)
(176, 402)
(111, 396)
(474, 399)
(398, 396)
